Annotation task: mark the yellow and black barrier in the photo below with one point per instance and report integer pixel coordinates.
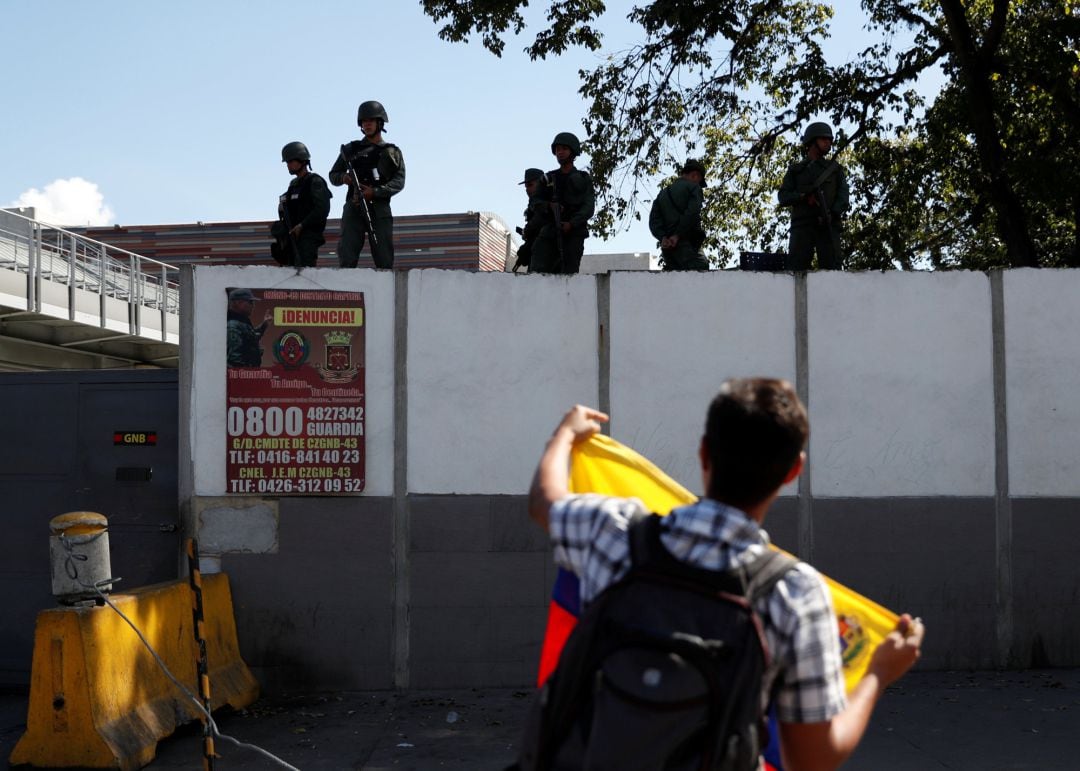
(97, 697)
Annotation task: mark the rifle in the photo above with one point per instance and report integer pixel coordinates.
(556, 217)
(358, 200)
(824, 215)
(281, 252)
(524, 253)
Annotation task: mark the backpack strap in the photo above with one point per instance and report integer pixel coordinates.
(754, 580)
(764, 572)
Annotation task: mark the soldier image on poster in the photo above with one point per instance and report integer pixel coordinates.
(243, 348)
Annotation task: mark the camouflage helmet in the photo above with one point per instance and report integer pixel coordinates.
(815, 130)
(295, 151)
(567, 139)
(371, 110)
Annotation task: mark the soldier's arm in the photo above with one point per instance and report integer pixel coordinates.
(583, 186)
(394, 163)
(233, 346)
(339, 172)
(656, 219)
(690, 219)
(788, 194)
(320, 198)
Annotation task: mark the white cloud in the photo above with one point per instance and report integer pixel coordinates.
(76, 202)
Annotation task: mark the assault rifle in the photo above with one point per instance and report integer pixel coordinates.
(524, 252)
(358, 200)
(824, 215)
(283, 241)
(556, 218)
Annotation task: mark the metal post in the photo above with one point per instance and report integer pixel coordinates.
(133, 308)
(101, 284)
(32, 256)
(163, 294)
(195, 579)
(71, 277)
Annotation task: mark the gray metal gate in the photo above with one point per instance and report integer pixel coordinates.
(102, 441)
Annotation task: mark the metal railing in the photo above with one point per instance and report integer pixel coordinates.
(49, 253)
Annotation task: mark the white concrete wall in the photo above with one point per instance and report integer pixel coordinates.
(1042, 364)
(207, 410)
(900, 373)
(493, 360)
(675, 338)
(901, 384)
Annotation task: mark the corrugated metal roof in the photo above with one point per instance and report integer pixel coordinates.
(466, 241)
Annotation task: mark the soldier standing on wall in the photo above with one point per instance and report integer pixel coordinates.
(302, 211)
(539, 251)
(380, 172)
(816, 189)
(675, 220)
(573, 202)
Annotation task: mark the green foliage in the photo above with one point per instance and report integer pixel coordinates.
(985, 175)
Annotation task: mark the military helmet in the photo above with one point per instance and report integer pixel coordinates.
(369, 110)
(242, 294)
(295, 151)
(815, 130)
(567, 139)
(532, 175)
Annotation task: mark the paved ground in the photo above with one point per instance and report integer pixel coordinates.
(935, 720)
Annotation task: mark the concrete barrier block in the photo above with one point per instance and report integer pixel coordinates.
(97, 697)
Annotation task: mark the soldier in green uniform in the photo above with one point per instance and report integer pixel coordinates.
(242, 340)
(381, 171)
(675, 220)
(816, 189)
(572, 190)
(302, 210)
(538, 250)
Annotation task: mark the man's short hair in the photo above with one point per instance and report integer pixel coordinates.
(754, 432)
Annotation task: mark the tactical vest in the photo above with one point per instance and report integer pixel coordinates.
(297, 199)
(568, 190)
(364, 157)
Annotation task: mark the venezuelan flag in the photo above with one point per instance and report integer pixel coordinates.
(602, 465)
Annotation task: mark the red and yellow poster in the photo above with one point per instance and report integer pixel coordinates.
(294, 392)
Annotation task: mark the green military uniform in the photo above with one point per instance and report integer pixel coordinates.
(572, 191)
(383, 167)
(539, 249)
(810, 230)
(242, 339)
(307, 203)
(577, 201)
(677, 212)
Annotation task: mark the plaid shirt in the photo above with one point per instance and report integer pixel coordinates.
(589, 534)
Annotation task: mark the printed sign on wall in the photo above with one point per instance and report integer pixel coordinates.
(295, 392)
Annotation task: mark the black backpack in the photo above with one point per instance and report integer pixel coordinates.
(663, 671)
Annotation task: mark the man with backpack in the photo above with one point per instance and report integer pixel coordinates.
(667, 669)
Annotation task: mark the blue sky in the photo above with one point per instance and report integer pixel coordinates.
(177, 112)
